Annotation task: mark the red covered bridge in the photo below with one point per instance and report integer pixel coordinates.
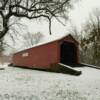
(63, 50)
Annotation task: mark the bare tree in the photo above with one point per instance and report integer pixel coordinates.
(92, 39)
(1, 47)
(37, 37)
(31, 39)
(74, 31)
(31, 9)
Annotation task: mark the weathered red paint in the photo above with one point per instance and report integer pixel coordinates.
(43, 56)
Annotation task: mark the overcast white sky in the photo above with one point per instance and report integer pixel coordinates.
(78, 16)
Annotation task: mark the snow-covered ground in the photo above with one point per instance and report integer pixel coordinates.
(25, 84)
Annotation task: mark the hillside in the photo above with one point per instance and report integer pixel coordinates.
(25, 84)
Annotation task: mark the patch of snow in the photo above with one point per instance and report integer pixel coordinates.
(26, 84)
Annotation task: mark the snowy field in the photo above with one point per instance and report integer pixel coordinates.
(25, 84)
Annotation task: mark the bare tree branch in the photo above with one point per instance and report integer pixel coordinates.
(31, 9)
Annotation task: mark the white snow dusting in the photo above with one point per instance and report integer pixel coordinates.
(26, 84)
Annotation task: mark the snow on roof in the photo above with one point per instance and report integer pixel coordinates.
(47, 39)
(50, 39)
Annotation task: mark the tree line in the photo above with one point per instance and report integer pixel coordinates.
(89, 39)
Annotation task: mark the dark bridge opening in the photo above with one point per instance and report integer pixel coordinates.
(68, 53)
